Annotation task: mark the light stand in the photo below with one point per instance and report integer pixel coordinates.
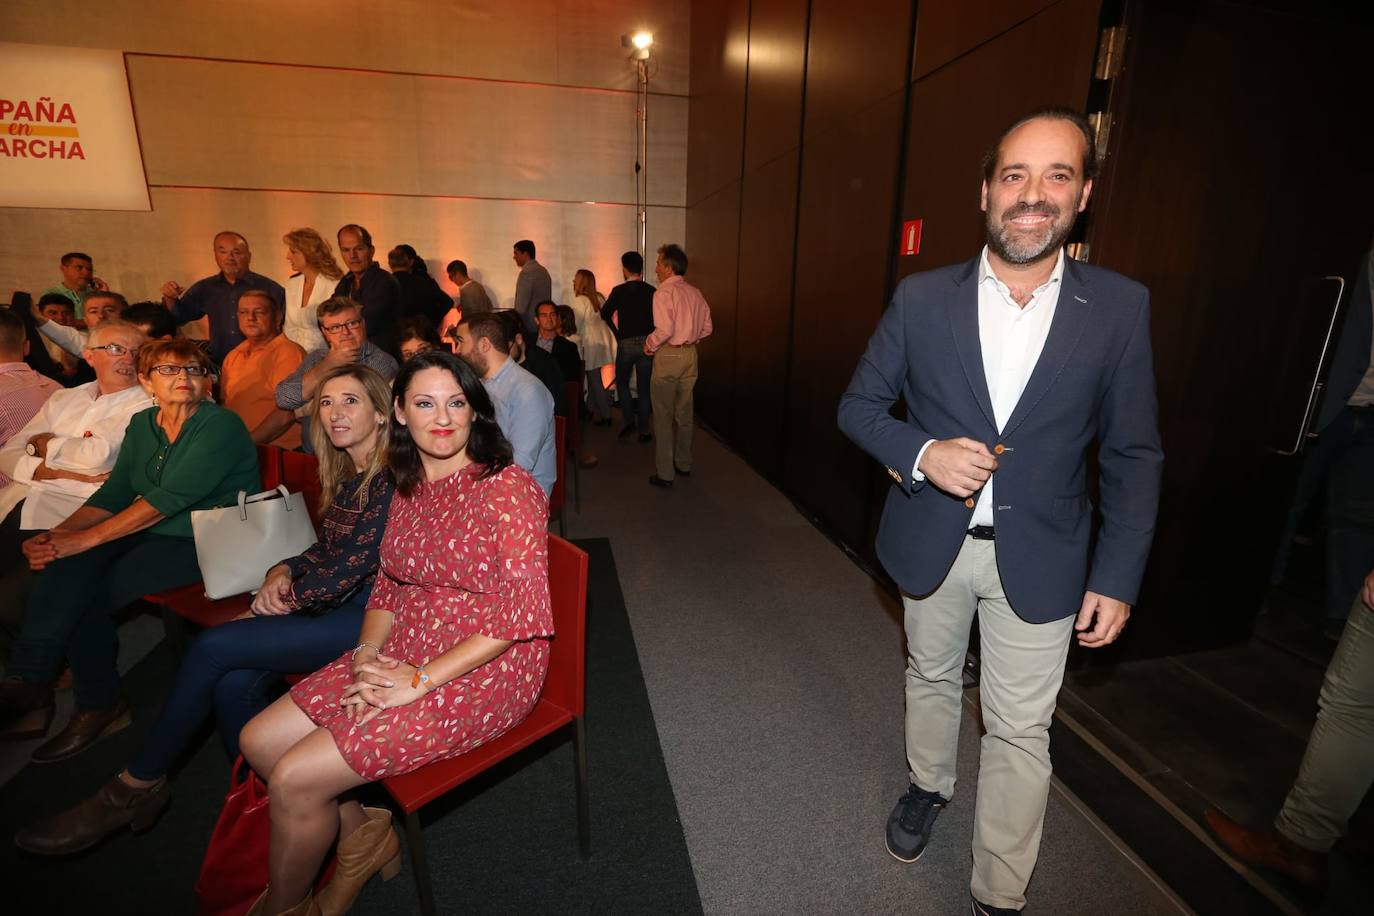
(640, 43)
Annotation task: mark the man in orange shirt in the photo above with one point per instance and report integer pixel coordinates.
(253, 369)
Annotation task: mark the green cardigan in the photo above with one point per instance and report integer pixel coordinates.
(211, 461)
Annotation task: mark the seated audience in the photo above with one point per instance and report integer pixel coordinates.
(524, 407)
(22, 390)
(472, 296)
(70, 369)
(420, 295)
(307, 613)
(131, 537)
(217, 296)
(316, 275)
(536, 362)
(598, 343)
(100, 306)
(62, 455)
(416, 335)
(152, 319)
(346, 336)
(366, 283)
(78, 281)
(253, 370)
(453, 650)
(552, 342)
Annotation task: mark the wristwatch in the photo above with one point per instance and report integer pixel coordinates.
(31, 450)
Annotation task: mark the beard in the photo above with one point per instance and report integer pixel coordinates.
(477, 362)
(1021, 247)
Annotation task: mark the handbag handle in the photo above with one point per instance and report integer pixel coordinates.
(235, 782)
(245, 499)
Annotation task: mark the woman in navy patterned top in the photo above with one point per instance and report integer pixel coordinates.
(307, 613)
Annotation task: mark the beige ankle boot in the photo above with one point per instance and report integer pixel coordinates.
(373, 847)
(307, 907)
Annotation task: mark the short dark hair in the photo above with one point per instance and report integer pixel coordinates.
(525, 246)
(633, 261)
(416, 327)
(1052, 113)
(75, 255)
(57, 299)
(489, 325)
(117, 298)
(13, 333)
(153, 314)
(363, 234)
(458, 266)
(487, 446)
(541, 304)
(513, 323)
(334, 305)
(674, 257)
(567, 319)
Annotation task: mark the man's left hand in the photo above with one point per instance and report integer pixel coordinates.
(1100, 620)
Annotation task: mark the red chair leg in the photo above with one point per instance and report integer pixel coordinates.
(419, 862)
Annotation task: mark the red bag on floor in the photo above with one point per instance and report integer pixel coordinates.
(234, 872)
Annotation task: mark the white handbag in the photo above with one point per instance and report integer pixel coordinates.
(236, 545)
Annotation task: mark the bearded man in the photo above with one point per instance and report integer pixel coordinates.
(1011, 366)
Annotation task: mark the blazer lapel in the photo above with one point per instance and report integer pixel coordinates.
(963, 320)
(1071, 316)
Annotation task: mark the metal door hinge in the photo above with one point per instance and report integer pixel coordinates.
(1101, 123)
(1111, 52)
(1079, 252)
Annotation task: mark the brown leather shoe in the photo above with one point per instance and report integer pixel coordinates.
(372, 848)
(83, 825)
(1267, 848)
(86, 728)
(26, 709)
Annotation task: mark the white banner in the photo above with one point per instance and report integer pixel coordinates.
(67, 134)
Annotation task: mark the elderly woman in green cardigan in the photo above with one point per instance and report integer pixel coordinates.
(132, 537)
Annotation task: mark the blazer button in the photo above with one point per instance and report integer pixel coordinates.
(969, 502)
(999, 448)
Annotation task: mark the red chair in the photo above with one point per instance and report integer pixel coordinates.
(561, 706)
(301, 474)
(560, 490)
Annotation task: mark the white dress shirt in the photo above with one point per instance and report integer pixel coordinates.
(89, 430)
(1012, 338)
(301, 324)
(70, 339)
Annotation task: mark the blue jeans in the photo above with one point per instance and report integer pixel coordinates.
(71, 606)
(629, 357)
(235, 667)
(1350, 508)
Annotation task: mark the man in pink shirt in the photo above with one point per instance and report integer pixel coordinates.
(22, 391)
(681, 319)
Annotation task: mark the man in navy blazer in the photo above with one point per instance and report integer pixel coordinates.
(1011, 366)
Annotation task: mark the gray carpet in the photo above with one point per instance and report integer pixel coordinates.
(774, 668)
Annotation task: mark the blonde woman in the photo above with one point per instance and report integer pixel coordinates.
(316, 275)
(597, 343)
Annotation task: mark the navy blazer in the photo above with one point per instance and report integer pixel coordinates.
(1094, 380)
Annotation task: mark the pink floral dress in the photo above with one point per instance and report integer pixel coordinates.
(460, 556)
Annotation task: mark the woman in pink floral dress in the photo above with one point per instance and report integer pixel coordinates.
(453, 649)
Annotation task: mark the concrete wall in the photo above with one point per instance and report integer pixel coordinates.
(457, 127)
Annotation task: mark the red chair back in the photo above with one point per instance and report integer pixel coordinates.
(566, 683)
(301, 474)
(269, 466)
(560, 487)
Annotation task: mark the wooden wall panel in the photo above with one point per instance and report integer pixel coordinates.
(958, 111)
(856, 57)
(713, 252)
(388, 134)
(777, 55)
(720, 57)
(946, 29)
(566, 42)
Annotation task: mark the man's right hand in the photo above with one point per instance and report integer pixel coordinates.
(342, 356)
(171, 290)
(959, 466)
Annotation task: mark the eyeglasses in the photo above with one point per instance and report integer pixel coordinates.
(349, 325)
(168, 369)
(116, 350)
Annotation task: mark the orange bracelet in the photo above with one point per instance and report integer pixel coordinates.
(420, 677)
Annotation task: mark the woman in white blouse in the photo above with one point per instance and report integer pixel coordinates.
(597, 343)
(316, 275)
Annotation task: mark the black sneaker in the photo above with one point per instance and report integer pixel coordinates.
(909, 826)
(982, 909)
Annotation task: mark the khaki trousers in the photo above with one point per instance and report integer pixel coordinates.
(675, 375)
(1022, 667)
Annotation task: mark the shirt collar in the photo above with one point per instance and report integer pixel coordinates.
(14, 367)
(985, 274)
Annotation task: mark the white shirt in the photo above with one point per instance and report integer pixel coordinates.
(89, 430)
(1012, 338)
(302, 324)
(69, 339)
